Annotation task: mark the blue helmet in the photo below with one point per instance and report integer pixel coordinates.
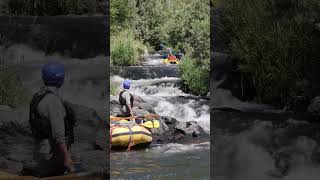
(126, 84)
(53, 74)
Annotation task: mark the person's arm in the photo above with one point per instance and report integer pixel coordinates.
(56, 115)
(130, 110)
(128, 102)
(67, 158)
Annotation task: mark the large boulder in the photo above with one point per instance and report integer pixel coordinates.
(173, 131)
(190, 128)
(317, 26)
(10, 166)
(314, 107)
(162, 130)
(91, 127)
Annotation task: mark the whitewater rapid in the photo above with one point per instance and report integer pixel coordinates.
(168, 100)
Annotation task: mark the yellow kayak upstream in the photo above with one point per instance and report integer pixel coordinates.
(171, 61)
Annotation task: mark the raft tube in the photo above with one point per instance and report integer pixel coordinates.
(121, 136)
(80, 176)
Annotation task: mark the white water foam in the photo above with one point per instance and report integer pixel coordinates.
(173, 148)
(245, 156)
(159, 96)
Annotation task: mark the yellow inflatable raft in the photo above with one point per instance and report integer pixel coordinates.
(172, 61)
(7, 176)
(129, 137)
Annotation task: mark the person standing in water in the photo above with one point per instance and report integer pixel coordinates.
(126, 100)
(51, 128)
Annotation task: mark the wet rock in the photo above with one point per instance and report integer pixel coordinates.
(300, 152)
(191, 128)
(114, 107)
(91, 127)
(173, 131)
(317, 26)
(6, 113)
(162, 129)
(297, 104)
(4, 108)
(95, 160)
(169, 121)
(314, 107)
(101, 140)
(147, 107)
(138, 103)
(84, 115)
(10, 166)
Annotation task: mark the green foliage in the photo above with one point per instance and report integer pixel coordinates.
(50, 8)
(122, 15)
(11, 91)
(181, 24)
(125, 49)
(195, 76)
(113, 88)
(274, 44)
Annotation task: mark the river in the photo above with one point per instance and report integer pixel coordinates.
(256, 141)
(173, 160)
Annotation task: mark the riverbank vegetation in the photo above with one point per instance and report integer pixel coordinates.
(180, 24)
(274, 45)
(113, 88)
(51, 8)
(125, 49)
(11, 90)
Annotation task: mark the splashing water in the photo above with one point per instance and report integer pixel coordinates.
(168, 100)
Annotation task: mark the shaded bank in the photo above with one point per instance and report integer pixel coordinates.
(75, 36)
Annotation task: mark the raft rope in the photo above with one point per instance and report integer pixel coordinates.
(130, 140)
(111, 131)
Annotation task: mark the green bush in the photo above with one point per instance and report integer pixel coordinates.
(125, 49)
(113, 88)
(180, 24)
(122, 15)
(274, 44)
(50, 8)
(195, 76)
(11, 91)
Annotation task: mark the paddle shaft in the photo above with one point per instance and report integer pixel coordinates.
(114, 118)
